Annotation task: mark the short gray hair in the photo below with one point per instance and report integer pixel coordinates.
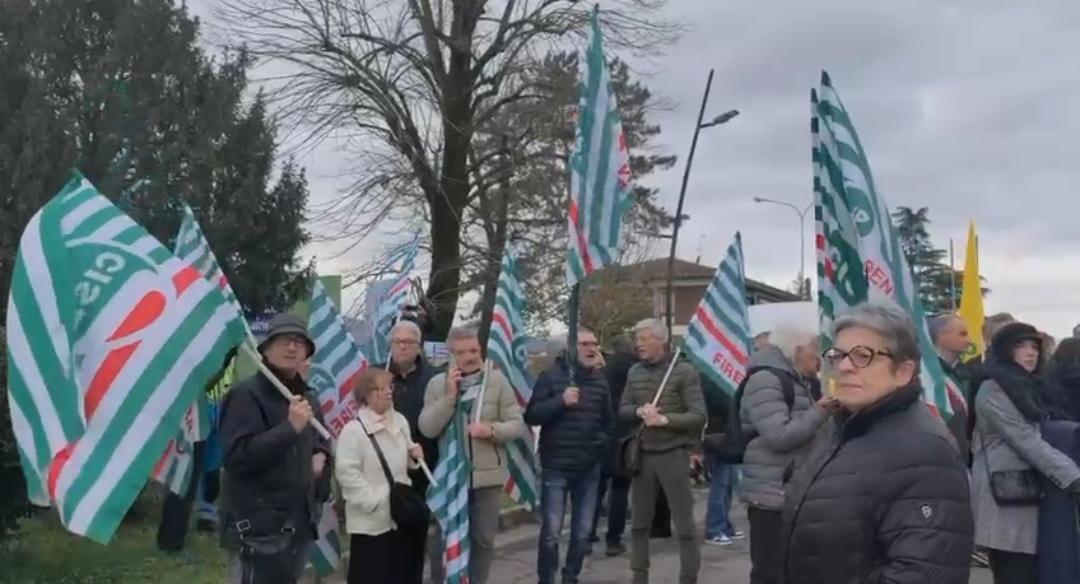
(938, 324)
(788, 339)
(891, 322)
(408, 325)
(462, 333)
(654, 326)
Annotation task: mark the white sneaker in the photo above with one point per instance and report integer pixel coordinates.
(721, 540)
(738, 535)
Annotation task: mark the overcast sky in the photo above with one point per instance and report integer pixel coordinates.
(969, 108)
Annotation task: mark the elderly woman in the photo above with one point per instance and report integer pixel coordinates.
(884, 496)
(381, 552)
(780, 414)
(1010, 454)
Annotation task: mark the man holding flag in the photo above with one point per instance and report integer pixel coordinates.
(484, 398)
(577, 424)
(277, 468)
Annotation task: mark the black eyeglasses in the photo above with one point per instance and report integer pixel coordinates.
(860, 356)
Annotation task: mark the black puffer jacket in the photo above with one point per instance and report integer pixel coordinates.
(409, 401)
(268, 479)
(572, 439)
(883, 499)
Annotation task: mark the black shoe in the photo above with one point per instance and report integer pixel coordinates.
(615, 549)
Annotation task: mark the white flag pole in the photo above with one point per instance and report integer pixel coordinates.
(667, 375)
(483, 391)
(427, 473)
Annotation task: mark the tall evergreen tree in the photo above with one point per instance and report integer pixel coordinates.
(937, 282)
(121, 90)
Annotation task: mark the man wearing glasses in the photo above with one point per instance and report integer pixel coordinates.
(780, 415)
(411, 376)
(577, 422)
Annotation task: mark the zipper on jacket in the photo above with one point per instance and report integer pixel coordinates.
(798, 508)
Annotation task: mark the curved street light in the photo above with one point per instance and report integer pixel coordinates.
(802, 233)
(679, 217)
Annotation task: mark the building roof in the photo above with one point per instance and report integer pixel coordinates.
(656, 270)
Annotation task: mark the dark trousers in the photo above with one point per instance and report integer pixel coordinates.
(766, 541)
(618, 491)
(387, 558)
(661, 525)
(176, 510)
(556, 488)
(1013, 568)
(668, 471)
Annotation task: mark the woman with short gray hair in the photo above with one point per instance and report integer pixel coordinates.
(884, 497)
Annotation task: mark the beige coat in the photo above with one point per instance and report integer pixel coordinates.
(500, 409)
(363, 481)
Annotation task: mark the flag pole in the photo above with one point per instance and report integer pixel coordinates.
(952, 274)
(574, 307)
(667, 375)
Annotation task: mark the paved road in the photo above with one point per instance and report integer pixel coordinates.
(516, 561)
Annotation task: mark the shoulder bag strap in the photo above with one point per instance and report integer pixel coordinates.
(379, 453)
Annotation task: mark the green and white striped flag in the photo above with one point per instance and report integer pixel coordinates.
(175, 467)
(110, 339)
(859, 254)
(506, 349)
(600, 170)
(718, 338)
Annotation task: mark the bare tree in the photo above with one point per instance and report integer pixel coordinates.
(407, 83)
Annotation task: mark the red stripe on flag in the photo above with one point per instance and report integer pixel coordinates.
(185, 278)
(146, 311)
(164, 457)
(105, 375)
(223, 282)
(57, 467)
(721, 337)
(583, 246)
(401, 285)
(347, 385)
(500, 319)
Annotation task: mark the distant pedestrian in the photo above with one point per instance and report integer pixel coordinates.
(613, 483)
(718, 527)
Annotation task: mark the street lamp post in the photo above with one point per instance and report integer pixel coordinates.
(802, 234)
(679, 217)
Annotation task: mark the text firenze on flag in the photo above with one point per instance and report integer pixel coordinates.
(110, 338)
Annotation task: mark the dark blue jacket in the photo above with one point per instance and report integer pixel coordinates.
(572, 439)
(1059, 543)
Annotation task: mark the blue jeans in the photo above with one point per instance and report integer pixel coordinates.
(717, 522)
(555, 488)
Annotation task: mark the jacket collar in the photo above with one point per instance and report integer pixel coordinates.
(418, 366)
(855, 425)
(375, 423)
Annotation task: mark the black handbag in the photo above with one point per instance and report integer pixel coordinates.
(628, 454)
(1013, 488)
(408, 508)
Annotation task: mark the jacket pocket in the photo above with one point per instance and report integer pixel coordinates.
(269, 520)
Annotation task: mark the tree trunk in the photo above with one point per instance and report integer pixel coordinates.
(448, 205)
(497, 239)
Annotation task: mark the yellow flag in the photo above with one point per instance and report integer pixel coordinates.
(971, 303)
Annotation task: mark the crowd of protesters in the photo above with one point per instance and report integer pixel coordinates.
(859, 482)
